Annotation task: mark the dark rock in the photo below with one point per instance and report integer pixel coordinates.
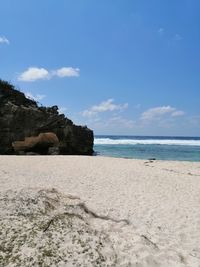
(54, 150)
(21, 117)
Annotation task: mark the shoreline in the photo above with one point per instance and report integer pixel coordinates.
(148, 159)
(102, 156)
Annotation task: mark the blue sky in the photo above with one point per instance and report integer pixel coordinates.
(121, 67)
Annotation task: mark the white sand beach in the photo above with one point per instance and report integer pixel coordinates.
(160, 200)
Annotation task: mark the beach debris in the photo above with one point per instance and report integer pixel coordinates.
(150, 160)
(147, 239)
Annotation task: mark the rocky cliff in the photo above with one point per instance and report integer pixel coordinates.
(21, 117)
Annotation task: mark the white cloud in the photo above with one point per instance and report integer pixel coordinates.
(67, 72)
(33, 73)
(156, 112)
(178, 37)
(178, 113)
(104, 106)
(159, 112)
(37, 97)
(4, 40)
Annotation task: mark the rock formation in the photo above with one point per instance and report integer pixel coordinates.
(21, 117)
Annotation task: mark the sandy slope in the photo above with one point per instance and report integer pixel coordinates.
(161, 200)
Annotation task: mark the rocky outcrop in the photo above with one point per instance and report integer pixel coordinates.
(21, 117)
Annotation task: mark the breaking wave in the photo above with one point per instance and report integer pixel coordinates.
(177, 142)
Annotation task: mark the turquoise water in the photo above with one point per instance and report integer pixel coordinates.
(145, 147)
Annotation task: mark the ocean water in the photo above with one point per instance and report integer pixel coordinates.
(145, 147)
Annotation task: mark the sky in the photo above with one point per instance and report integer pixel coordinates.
(121, 67)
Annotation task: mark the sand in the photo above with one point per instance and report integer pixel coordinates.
(160, 200)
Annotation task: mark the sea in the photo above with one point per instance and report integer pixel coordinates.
(148, 147)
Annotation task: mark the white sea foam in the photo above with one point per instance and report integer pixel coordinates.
(109, 141)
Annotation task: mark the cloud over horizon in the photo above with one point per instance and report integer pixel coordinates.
(159, 112)
(34, 73)
(104, 106)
